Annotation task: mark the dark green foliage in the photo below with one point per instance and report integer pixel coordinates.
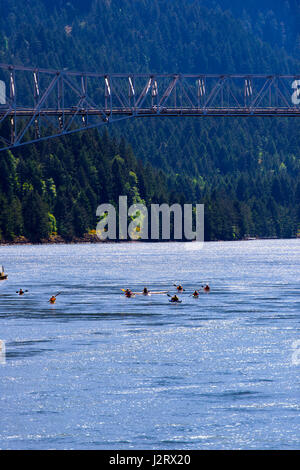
(245, 171)
(44, 182)
(35, 217)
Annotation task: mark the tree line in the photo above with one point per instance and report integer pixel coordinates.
(246, 172)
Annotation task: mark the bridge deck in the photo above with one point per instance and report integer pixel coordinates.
(153, 111)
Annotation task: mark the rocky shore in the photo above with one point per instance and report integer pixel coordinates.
(54, 239)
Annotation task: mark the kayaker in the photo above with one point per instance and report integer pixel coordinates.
(196, 294)
(174, 298)
(52, 299)
(145, 291)
(206, 288)
(20, 292)
(129, 293)
(179, 288)
(3, 276)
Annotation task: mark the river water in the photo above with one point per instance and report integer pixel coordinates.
(100, 371)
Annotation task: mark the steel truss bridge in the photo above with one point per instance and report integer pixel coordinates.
(37, 104)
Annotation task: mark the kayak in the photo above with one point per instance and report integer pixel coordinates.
(175, 302)
(151, 293)
(160, 292)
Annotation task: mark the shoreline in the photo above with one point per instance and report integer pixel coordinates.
(91, 239)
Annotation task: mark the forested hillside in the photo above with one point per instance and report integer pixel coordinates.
(274, 21)
(245, 171)
(57, 186)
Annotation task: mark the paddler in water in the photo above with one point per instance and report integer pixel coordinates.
(129, 293)
(174, 298)
(20, 292)
(52, 299)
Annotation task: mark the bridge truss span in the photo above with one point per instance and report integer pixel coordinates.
(36, 104)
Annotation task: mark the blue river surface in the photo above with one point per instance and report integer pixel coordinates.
(100, 371)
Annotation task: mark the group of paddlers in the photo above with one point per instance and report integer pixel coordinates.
(174, 298)
(129, 293)
(52, 299)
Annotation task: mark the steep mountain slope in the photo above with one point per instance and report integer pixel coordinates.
(140, 35)
(274, 21)
(246, 171)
